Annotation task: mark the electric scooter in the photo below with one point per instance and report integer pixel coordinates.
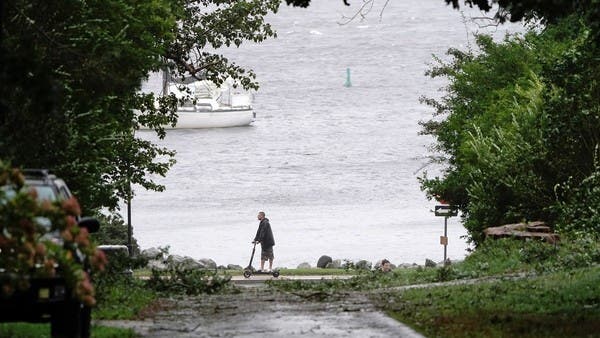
(249, 270)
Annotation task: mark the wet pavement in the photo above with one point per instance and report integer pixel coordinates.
(262, 312)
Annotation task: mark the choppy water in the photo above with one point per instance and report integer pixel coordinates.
(334, 168)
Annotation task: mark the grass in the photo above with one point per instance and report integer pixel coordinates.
(118, 297)
(31, 330)
(557, 304)
(494, 258)
(122, 298)
(559, 298)
(563, 299)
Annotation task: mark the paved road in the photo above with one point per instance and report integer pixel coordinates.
(261, 312)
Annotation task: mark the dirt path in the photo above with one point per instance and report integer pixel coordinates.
(261, 312)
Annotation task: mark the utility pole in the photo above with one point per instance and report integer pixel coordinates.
(129, 229)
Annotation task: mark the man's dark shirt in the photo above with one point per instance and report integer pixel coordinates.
(264, 234)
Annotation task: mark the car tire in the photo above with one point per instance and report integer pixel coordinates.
(69, 319)
(86, 321)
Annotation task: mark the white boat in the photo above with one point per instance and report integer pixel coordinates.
(211, 106)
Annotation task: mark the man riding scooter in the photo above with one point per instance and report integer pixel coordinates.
(264, 236)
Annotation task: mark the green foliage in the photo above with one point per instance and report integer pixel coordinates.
(359, 266)
(111, 332)
(120, 265)
(348, 265)
(113, 231)
(497, 257)
(510, 256)
(573, 109)
(29, 330)
(512, 126)
(121, 297)
(492, 258)
(178, 280)
(545, 12)
(41, 239)
(120, 294)
(555, 305)
(365, 280)
(555, 292)
(71, 73)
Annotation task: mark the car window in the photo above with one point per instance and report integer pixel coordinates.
(44, 192)
(64, 193)
(7, 192)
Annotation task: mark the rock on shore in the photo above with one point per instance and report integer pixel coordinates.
(159, 259)
(323, 261)
(536, 230)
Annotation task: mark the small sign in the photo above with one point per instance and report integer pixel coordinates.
(43, 293)
(443, 240)
(445, 210)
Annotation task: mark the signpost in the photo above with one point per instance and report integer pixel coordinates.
(445, 211)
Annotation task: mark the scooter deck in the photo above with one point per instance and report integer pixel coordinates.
(248, 273)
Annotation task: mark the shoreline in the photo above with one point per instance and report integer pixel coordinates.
(162, 260)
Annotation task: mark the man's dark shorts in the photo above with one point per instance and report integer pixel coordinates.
(266, 254)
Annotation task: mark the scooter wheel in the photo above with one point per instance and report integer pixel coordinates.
(247, 273)
(275, 273)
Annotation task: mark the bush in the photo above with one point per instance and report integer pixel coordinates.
(491, 258)
(181, 279)
(508, 255)
(188, 281)
(43, 240)
(519, 119)
(579, 212)
(121, 296)
(113, 231)
(562, 304)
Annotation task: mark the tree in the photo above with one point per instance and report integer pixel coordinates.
(70, 72)
(518, 130)
(547, 11)
(517, 10)
(29, 234)
(70, 78)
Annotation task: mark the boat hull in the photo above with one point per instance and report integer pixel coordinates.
(213, 119)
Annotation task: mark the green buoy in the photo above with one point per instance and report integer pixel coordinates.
(348, 83)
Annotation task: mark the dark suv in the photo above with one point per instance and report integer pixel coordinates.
(49, 299)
